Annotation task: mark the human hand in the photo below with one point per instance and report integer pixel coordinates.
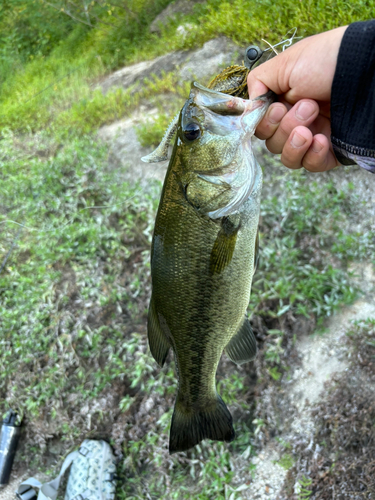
(298, 126)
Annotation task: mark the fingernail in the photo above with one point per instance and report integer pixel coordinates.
(316, 147)
(305, 110)
(276, 114)
(297, 140)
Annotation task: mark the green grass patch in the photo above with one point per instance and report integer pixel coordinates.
(62, 69)
(286, 461)
(300, 272)
(75, 291)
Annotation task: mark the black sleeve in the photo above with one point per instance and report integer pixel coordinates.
(353, 97)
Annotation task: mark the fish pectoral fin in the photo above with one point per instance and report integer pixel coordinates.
(157, 338)
(225, 243)
(243, 346)
(191, 425)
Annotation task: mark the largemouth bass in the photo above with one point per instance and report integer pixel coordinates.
(203, 254)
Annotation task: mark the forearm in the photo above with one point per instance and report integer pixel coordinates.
(353, 97)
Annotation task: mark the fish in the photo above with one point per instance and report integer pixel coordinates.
(203, 255)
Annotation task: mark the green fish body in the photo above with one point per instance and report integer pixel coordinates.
(203, 254)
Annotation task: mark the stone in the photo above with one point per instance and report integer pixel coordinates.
(137, 73)
(202, 64)
(208, 61)
(126, 151)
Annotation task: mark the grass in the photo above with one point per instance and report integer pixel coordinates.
(67, 69)
(75, 243)
(297, 264)
(75, 291)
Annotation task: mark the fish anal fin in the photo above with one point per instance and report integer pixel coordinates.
(157, 338)
(190, 426)
(243, 346)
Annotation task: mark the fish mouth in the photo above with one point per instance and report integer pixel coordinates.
(226, 104)
(222, 114)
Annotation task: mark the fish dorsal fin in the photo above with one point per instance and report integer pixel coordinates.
(161, 152)
(243, 346)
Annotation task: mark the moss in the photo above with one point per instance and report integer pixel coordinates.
(286, 461)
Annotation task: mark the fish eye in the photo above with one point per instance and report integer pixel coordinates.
(192, 131)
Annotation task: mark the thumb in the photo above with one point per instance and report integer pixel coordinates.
(267, 76)
(256, 87)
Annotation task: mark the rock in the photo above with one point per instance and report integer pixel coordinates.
(126, 152)
(184, 30)
(201, 64)
(137, 73)
(181, 7)
(208, 61)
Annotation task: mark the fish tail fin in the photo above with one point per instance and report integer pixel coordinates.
(189, 426)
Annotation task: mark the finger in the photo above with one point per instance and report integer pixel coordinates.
(257, 88)
(271, 121)
(321, 125)
(319, 156)
(296, 147)
(303, 113)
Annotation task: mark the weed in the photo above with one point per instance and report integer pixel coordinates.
(304, 488)
(152, 132)
(75, 291)
(65, 58)
(286, 461)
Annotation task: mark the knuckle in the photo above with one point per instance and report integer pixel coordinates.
(314, 163)
(286, 126)
(274, 147)
(290, 159)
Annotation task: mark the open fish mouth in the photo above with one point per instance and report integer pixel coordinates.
(222, 103)
(219, 113)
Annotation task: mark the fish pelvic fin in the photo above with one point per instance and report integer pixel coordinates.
(190, 426)
(243, 346)
(157, 338)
